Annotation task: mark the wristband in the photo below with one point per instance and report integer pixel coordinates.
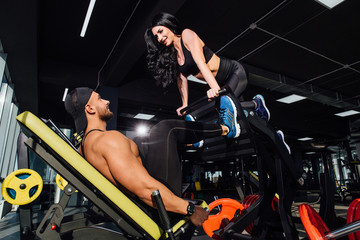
(190, 209)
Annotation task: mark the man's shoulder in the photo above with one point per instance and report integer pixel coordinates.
(111, 142)
(112, 136)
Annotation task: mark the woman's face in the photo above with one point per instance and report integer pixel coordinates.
(163, 35)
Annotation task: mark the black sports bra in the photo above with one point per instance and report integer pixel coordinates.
(189, 66)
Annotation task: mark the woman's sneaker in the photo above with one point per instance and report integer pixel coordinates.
(261, 110)
(281, 136)
(199, 144)
(228, 114)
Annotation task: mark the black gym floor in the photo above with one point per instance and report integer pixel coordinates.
(10, 226)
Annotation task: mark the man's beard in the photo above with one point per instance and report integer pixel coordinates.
(107, 116)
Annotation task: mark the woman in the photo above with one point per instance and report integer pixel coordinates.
(175, 53)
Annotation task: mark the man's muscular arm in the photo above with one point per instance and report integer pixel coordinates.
(130, 173)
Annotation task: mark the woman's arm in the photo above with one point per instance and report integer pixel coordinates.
(195, 45)
(182, 83)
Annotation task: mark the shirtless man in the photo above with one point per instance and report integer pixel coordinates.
(118, 158)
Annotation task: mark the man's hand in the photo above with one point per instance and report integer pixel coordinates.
(199, 216)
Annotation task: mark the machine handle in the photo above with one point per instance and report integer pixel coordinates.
(164, 217)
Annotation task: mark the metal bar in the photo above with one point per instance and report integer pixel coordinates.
(205, 98)
(343, 231)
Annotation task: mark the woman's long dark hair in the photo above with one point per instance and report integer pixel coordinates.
(162, 60)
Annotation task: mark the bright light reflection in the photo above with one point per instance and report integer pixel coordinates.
(142, 130)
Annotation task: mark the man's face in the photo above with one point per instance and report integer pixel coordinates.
(101, 106)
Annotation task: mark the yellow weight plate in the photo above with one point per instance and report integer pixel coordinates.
(22, 186)
(60, 182)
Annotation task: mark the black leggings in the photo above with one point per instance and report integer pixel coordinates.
(232, 74)
(159, 151)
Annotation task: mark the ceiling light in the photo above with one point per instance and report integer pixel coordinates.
(318, 145)
(329, 3)
(144, 116)
(305, 139)
(194, 79)
(308, 153)
(347, 113)
(291, 99)
(142, 130)
(191, 150)
(65, 93)
(87, 17)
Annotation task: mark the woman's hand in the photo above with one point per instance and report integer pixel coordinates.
(179, 109)
(213, 93)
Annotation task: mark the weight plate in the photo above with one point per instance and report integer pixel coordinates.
(227, 211)
(22, 186)
(314, 226)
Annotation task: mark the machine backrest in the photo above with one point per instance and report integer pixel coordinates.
(36, 128)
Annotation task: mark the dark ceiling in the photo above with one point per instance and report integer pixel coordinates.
(288, 47)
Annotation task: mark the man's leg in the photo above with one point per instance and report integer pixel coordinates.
(162, 158)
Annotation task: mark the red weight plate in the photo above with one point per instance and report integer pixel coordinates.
(256, 197)
(246, 203)
(275, 204)
(356, 216)
(251, 201)
(227, 211)
(314, 226)
(351, 214)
